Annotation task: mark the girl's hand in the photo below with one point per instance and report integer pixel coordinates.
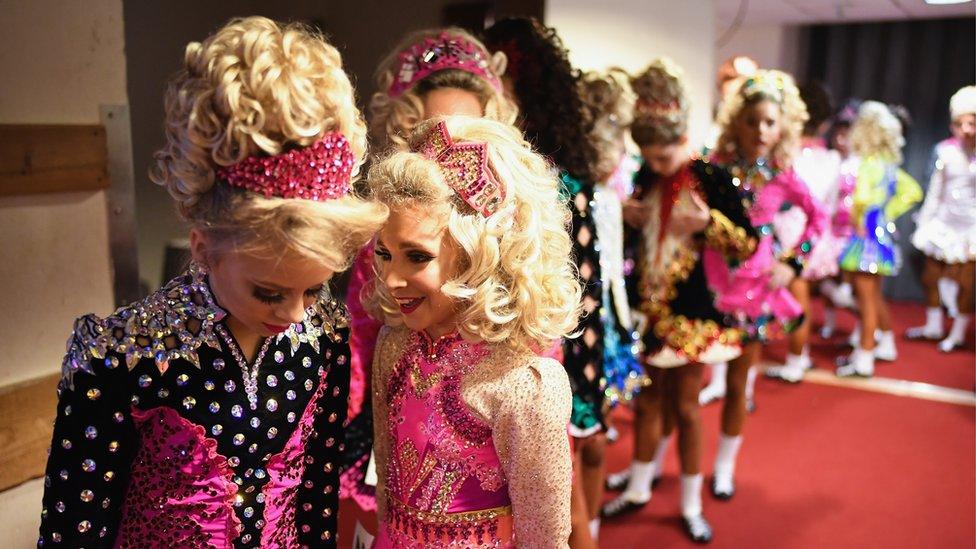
(781, 275)
(860, 231)
(636, 213)
(688, 219)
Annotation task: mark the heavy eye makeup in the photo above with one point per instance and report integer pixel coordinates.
(414, 255)
(271, 297)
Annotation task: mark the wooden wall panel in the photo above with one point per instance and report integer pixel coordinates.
(52, 158)
(26, 422)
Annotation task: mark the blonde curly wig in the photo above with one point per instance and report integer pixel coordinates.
(516, 283)
(764, 85)
(257, 87)
(661, 113)
(393, 119)
(611, 103)
(877, 132)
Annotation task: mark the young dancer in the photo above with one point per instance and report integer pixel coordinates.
(611, 103)
(882, 193)
(476, 279)
(555, 120)
(946, 231)
(210, 414)
(685, 205)
(761, 126)
(431, 73)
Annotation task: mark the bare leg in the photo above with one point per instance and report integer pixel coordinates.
(592, 472)
(579, 536)
(734, 409)
(687, 380)
(867, 301)
(800, 288)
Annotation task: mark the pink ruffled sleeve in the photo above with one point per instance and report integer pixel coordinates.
(797, 193)
(363, 331)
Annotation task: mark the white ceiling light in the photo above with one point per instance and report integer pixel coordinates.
(939, 2)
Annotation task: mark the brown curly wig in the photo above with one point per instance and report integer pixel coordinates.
(547, 89)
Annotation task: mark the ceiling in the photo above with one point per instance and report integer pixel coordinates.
(759, 12)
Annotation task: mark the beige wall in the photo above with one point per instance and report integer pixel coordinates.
(772, 46)
(629, 33)
(61, 60)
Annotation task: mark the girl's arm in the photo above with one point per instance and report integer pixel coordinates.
(93, 444)
(818, 220)
(530, 437)
(907, 193)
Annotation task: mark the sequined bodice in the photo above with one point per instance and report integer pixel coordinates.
(213, 448)
(442, 456)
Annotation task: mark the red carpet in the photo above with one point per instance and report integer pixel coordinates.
(917, 360)
(825, 467)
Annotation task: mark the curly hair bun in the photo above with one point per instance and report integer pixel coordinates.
(253, 87)
(661, 111)
(877, 132)
(610, 100)
(256, 87)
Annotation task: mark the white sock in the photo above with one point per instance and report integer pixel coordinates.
(641, 474)
(691, 503)
(751, 383)
(595, 528)
(933, 319)
(887, 339)
(719, 371)
(659, 453)
(958, 331)
(949, 295)
(725, 457)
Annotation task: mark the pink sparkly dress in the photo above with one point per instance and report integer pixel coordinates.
(471, 444)
(745, 290)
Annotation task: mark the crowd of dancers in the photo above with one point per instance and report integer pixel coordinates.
(531, 246)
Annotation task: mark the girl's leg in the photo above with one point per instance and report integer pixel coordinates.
(933, 327)
(886, 349)
(716, 385)
(579, 536)
(647, 434)
(861, 360)
(592, 472)
(733, 417)
(798, 357)
(687, 380)
(965, 276)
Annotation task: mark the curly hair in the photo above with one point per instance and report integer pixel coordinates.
(661, 114)
(256, 87)
(611, 103)
(764, 85)
(517, 283)
(547, 90)
(393, 119)
(877, 132)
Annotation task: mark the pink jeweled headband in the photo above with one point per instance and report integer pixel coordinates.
(465, 167)
(320, 172)
(443, 52)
